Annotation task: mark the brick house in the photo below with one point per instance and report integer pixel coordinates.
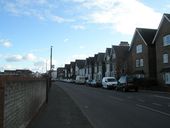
(80, 67)
(87, 67)
(60, 73)
(95, 67)
(100, 67)
(67, 71)
(91, 68)
(118, 56)
(162, 42)
(142, 54)
(107, 62)
(72, 70)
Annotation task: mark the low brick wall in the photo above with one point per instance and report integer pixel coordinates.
(20, 100)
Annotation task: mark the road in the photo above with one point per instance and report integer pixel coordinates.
(114, 109)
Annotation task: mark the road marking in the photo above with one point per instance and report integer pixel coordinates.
(157, 104)
(151, 109)
(164, 97)
(141, 100)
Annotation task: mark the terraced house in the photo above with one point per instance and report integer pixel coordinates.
(107, 62)
(118, 56)
(67, 71)
(142, 53)
(100, 67)
(162, 42)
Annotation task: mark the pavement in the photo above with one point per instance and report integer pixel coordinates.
(59, 112)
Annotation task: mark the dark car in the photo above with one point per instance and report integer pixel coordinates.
(126, 83)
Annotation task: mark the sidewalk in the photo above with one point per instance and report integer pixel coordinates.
(60, 112)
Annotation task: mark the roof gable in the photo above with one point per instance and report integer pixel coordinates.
(147, 35)
(164, 17)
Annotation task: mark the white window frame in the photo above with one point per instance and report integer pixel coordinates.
(137, 63)
(165, 58)
(141, 63)
(139, 48)
(167, 78)
(166, 40)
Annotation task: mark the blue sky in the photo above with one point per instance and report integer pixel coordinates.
(76, 29)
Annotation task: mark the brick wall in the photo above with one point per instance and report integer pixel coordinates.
(20, 100)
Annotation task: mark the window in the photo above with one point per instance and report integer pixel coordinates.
(166, 40)
(141, 62)
(165, 58)
(137, 63)
(114, 56)
(167, 78)
(139, 48)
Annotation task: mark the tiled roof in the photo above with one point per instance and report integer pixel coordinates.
(147, 34)
(100, 56)
(121, 51)
(167, 15)
(80, 63)
(108, 50)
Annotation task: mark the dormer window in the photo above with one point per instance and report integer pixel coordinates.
(166, 40)
(139, 48)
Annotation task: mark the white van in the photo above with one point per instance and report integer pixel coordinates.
(109, 82)
(80, 80)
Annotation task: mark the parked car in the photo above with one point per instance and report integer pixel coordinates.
(88, 82)
(109, 82)
(80, 80)
(93, 83)
(126, 83)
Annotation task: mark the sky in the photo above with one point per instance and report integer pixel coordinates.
(76, 29)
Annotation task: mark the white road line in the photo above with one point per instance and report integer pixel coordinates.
(151, 109)
(163, 97)
(157, 104)
(141, 100)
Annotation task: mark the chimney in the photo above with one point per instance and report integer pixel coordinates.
(124, 43)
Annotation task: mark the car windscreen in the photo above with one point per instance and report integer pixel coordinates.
(111, 80)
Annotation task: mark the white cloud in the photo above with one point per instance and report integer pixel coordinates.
(14, 58)
(29, 57)
(18, 58)
(59, 19)
(76, 27)
(82, 47)
(41, 9)
(122, 15)
(6, 43)
(6, 67)
(66, 40)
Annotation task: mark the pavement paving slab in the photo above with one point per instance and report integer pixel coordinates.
(60, 112)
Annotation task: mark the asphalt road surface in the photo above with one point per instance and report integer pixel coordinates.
(114, 109)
